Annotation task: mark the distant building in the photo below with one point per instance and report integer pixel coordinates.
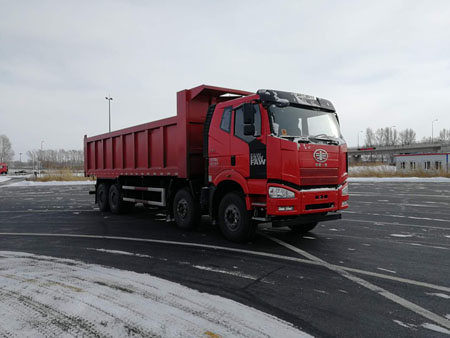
(432, 161)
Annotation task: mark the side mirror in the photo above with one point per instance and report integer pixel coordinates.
(249, 130)
(249, 113)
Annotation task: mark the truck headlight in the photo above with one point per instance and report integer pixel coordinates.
(275, 192)
(345, 190)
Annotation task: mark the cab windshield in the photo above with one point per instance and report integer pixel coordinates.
(307, 124)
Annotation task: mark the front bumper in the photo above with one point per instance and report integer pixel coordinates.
(308, 201)
(305, 219)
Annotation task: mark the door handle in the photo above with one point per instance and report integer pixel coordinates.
(233, 160)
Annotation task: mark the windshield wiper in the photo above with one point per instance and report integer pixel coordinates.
(325, 138)
(299, 139)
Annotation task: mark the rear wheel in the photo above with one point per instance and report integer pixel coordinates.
(116, 204)
(103, 197)
(185, 210)
(234, 220)
(303, 228)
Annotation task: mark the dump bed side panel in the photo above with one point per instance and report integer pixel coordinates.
(150, 150)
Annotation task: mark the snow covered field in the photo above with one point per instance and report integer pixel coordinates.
(33, 183)
(51, 297)
(4, 178)
(379, 168)
(401, 179)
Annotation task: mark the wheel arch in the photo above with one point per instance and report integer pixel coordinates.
(224, 187)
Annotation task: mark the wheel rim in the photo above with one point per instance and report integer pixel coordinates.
(114, 198)
(101, 197)
(232, 217)
(182, 208)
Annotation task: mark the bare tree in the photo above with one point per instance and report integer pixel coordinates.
(6, 152)
(379, 137)
(444, 136)
(370, 139)
(407, 136)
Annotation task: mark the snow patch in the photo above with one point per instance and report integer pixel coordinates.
(81, 299)
(232, 273)
(409, 326)
(437, 294)
(391, 271)
(118, 252)
(402, 235)
(50, 183)
(4, 179)
(400, 179)
(436, 328)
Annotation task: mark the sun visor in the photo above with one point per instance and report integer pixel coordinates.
(269, 95)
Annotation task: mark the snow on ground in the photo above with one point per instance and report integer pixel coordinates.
(400, 179)
(4, 178)
(378, 168)
(52, 297)
(33, 183)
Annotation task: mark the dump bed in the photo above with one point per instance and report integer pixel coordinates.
(167, 147)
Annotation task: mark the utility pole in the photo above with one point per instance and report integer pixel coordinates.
(109, 110)
(42, 156)
(432, 130)
(358, 136)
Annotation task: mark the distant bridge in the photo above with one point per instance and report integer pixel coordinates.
(356, 153)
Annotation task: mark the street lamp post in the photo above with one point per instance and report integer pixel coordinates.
(392, 135)
(109, 110)
(432, 130)
(42, 156)
(358, 136)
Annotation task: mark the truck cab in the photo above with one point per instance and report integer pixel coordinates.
(284, 154)
(3, 169)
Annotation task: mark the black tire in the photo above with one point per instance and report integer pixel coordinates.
(234, 219)
(103, 197)
(185, 210)
(303, 228)
(116, 204)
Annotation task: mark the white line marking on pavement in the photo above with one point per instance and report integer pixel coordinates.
(391, 223)
(399, 216)
(249, 252)
(382, 292)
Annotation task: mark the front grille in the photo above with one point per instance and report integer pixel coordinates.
(319, 206)
(318, 176)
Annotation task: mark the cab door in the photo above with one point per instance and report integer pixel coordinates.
(219, 142)
(248, 152)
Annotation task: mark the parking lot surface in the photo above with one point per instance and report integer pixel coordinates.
(381, 271)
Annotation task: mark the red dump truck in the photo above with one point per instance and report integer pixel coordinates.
(242, 158)
(3, 168)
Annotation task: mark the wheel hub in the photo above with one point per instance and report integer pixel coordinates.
(182, 208)
(232, 217)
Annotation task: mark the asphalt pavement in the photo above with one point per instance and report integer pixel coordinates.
(381, 271)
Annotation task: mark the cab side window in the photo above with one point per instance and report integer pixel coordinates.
(225, 123)
(239, 124)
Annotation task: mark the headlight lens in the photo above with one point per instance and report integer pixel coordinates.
(275, 192)
(345, 190)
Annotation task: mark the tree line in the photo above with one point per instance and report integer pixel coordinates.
(389, 136)
(46, 158)
(56, 159)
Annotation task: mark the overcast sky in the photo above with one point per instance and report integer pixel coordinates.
(382, 63)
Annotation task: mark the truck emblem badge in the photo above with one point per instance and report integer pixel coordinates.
(257, 159)
(320, 155)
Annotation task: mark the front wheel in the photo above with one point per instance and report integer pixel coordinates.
(234, 220)
(303, 229)
(185, 210)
